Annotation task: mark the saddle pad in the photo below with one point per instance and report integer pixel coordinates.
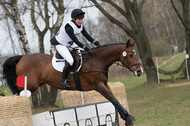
(58, 64)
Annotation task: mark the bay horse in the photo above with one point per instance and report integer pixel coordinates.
(93, 73)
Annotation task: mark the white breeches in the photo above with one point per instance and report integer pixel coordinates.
(64, 52)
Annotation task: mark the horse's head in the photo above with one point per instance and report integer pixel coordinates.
(130, 60)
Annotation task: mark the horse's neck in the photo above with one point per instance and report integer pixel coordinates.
(110, 54)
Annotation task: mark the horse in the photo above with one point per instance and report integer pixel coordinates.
(93, 73)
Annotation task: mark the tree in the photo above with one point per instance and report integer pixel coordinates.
(106, 34)
(15, 10)
(11, 9)
(185, 20)
(131, 11)
(43, 12)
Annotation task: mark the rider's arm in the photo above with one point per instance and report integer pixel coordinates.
(87, 36)
(70, 32)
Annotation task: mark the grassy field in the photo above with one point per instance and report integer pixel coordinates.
(156, 105)
(170, 63)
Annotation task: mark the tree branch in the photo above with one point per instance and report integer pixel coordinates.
(141, 4)
(135, 9)
(46, 17)
(130, 18)
(60, 17)
(116, 7)
(40, 9)
(33, 17)
(127, 4)
(3, 4)
(54, 5)
(112, 19)
(177, 12)
(61, 6)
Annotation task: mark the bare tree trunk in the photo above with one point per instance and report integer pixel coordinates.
(35, 99)
(11, 38)
(52, 96)
(185, 20)
(14, 15)
(53, 30)
(48, 98)
(145, 54)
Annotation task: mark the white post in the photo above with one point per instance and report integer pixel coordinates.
(186, 57)
(156, 60)
(82, 98)
(25, 92)
(25, 85)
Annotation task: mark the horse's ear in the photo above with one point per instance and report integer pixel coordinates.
(128, 43)
(132, 44)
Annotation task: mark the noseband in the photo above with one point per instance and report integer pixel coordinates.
(125, 58)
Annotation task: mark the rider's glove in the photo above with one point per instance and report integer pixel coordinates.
(88, 51)
(96, 43)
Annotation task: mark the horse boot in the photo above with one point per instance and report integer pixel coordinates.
(65, 74)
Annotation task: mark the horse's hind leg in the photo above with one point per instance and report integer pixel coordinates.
(104, 90)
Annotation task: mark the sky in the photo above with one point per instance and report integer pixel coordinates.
(6, 46)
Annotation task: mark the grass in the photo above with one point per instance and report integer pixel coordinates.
(160, 106)
(173, 62)
(58, 104)
(170, 63)
(155, 105)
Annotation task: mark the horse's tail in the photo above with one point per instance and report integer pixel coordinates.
(9, 73)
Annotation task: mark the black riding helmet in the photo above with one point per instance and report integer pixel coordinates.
(77, 13)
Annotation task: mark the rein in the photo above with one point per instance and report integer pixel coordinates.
(89, 71)
(125, 57)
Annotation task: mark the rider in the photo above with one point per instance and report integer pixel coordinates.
(66, 37)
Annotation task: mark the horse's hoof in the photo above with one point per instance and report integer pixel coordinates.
(130, 120)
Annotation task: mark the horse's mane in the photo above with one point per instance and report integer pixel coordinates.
(107, 45)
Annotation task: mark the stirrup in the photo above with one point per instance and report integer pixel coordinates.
(65, 84)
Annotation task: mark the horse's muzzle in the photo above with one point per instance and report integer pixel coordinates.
(139, 72)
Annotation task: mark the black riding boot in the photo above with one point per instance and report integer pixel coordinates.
(65, 74)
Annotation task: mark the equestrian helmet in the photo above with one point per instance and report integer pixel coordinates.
(77, 13)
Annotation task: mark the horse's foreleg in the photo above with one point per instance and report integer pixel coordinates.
(104, 90)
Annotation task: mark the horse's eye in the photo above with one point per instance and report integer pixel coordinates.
(130, 55)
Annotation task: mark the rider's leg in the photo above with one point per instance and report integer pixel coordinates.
(65, 74)
(64, 52)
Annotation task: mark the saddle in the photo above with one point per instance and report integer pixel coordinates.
(58, 62)
(77, 60)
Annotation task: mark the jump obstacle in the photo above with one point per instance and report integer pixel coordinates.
(16, 111)
(90, 97)
(98, 114)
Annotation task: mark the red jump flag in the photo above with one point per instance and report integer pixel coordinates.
(20, 81)
(155, 59)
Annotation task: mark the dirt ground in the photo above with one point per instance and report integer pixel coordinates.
(178, 84)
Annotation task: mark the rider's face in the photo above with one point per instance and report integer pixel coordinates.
(79, 21)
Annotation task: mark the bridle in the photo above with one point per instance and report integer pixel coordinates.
(125, 58)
